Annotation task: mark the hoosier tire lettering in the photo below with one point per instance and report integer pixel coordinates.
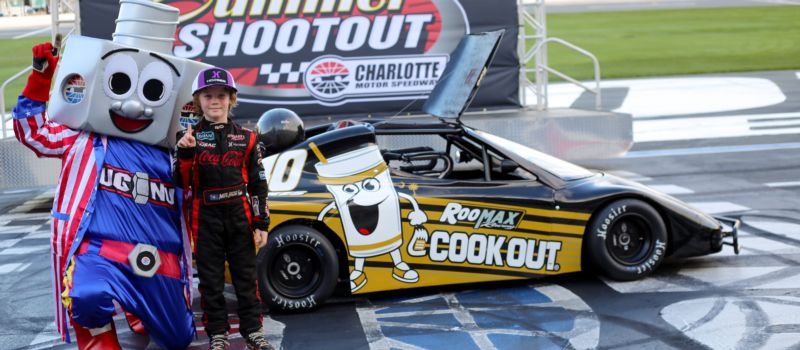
(603, 229)
(629, 240)
(289, 304)
(297, 269)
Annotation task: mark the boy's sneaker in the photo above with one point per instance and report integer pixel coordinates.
(256, 341)
(218, 342)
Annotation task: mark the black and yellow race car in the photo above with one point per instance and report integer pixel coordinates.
(417, 202)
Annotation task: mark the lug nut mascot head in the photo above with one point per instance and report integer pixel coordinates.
(369, 207)
(117, 234)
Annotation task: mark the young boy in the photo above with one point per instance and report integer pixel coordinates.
(219, 162)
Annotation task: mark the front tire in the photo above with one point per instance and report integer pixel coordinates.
(297, 269)
(626, 240)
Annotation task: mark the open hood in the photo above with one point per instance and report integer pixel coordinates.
(462, 77)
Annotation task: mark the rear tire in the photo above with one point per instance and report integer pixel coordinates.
(297, 269)
(626, 240)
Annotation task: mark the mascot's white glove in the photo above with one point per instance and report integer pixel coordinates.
(417, 245)
(417, 217)
(418, 241)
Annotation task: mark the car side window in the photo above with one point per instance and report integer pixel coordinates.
(454, 158)
(416, 155)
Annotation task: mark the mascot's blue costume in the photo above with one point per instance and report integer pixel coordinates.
(117, 228)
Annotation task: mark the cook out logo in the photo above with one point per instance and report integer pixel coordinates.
(494, 250)
(271, 46)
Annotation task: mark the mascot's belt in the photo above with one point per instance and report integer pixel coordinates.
(144, 259)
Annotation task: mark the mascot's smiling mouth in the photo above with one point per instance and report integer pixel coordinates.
(365, 218)
(129, 125)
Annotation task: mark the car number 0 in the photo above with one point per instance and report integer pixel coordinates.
(284, 170)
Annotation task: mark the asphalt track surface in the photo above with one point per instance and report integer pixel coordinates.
(720, 301)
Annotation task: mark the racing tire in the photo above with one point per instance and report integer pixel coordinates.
(297, 269)
(626, 240)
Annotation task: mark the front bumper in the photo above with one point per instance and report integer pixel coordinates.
(730, 232)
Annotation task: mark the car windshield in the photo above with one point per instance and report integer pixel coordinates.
(563, 169)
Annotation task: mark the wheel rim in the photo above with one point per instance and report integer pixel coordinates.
(630, 239)
(295, 271)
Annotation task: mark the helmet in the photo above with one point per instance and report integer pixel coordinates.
(213, 76)
(278, 129)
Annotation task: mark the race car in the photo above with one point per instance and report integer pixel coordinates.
(416, 202)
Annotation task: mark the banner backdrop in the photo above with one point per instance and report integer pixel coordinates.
(334, 57)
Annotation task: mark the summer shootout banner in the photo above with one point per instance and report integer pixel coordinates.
(334, 57)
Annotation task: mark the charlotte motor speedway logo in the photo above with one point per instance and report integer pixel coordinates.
(332, 78)
(325, 52)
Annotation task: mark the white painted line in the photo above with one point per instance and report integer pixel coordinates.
(718, 207)
(23, 250)
(38, 235)
(783, 184)
(26, 216)
(782, 2)
(6, 243)
(31, 33)
(694, 319)
(775, 123)
(658, 97)
(18, 229)
(631, 175)
(13, 267)
(713, 150)
(671, 189)
(48, 335)
(712, 127)
(777, 227)
(15, 191)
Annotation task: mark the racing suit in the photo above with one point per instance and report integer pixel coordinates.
(222, 171)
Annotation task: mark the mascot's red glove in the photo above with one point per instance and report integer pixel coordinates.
(38, 87)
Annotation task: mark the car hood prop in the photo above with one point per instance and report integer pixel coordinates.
(462, 77)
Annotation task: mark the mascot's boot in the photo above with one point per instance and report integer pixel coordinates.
(104, 338)
(135, 324)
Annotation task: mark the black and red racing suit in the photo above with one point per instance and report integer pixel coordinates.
(228, 201)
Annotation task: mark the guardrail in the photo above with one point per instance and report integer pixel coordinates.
(4, 118)
(541, 69)
(595, 62)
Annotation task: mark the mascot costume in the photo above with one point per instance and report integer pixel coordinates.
(117, 231)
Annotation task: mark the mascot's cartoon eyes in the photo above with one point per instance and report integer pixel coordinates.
(119, 83)
(155, 84)
(120, 76)
(350, 188)
(371, 185)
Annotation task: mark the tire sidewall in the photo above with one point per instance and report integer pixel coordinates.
(329, 265)
(600, 230)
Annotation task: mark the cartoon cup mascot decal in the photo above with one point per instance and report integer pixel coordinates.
(369, 208)
(117, 234)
